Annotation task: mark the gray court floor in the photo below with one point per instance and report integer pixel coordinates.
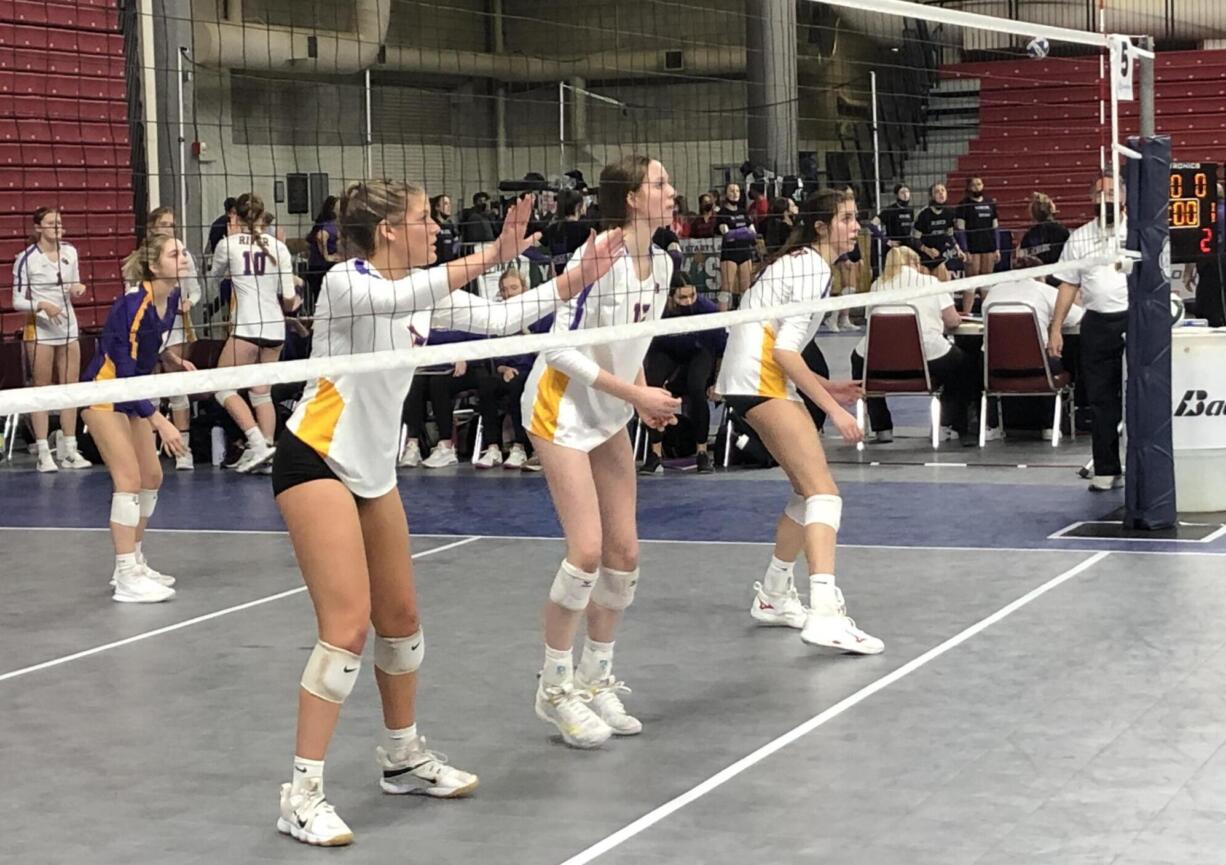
(1085, 726)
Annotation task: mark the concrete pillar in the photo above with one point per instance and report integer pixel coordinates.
(577, 132)
(172, 29)
(770, 41)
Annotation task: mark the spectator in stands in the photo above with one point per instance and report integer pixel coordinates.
(779, 223)
(1104, 290)
(681, 217)
(704, 225)
(447, 244)
(956, 371)
(569, 229)
(441, 386)
(737, 251)
(685, 364)
(977, 219)
(897, 220)
(46, 277)
(322, 250)
(501, 382)
(1037, 295)
(221, 225)
(1045, 239)
(174, 350)
(934, 233)
(478, 225)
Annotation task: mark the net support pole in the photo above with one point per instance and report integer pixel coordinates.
(1147, 88)
(561, 127)
(1149, 492)
(770, 53)
(182, 143)
(872, 79)
(149, 93)
(368, 146)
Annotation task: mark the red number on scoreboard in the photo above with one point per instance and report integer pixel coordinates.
(1206, 241)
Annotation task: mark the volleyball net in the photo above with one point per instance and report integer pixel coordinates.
(293, 102)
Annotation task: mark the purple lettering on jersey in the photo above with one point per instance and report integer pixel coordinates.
(582, 299)
(418, 339)
(361, 267)
(640, 311)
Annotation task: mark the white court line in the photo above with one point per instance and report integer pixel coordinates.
(187, 623)
(673, 805)
(901, 547)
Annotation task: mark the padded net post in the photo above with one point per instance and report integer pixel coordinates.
(1150, 477)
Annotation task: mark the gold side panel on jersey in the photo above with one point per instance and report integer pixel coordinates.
(105, 373)
(323, 413)
(548, 403)
(772, 382)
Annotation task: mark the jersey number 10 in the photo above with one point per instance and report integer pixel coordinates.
(254, 263)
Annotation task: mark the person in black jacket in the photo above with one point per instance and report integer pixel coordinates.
(1046, 238)
(685, 364)
(897, 220)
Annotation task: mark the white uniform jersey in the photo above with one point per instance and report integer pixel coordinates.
(749, 367)
(559, 403)
(259, 281)
(36, 278)
(353, 421)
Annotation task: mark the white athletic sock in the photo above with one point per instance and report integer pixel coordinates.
(305, 770)
(445, 444)
(778, 576)
(187, 438)
(596, 661)
(559, 666)
(255, 438)
(140, 556)
(43, 447)
(125, 563)
(70, 444)
(396, 740)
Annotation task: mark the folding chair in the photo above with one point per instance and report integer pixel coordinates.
(894, 364)
(1015, 364)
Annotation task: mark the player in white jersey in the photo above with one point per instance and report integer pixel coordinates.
(334, 476)
(576, 405)
(261, 269)
(181, 336)
(46, 276)
(762, 377)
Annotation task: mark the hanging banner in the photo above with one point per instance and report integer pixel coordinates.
(1123, 62)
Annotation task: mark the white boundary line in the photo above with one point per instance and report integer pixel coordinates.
(1062, 534)
(187, 623)
(673, 805)
(901, 547)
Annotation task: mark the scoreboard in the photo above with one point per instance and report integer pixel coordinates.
(1193, 211)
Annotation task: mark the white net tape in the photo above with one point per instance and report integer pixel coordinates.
(240, 377)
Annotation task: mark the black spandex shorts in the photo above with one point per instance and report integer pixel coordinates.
(261, 342)
(296, 462)
(737, 256)
(743, 404)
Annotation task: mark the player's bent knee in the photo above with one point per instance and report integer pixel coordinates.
(148, 501)
(125, 509)
(572, 587)
(615, 589)
(330, 672)
(398, 656)
(824, 510)
(180, 402)
(260, 398)
(222, 395)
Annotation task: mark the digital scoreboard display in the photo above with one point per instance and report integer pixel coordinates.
(1193, 211)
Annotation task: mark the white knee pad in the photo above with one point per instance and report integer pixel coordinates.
(259, 398)
(180, 402)
(724, 296)
(397, 656)
(330, 672)
(615, 589)
(572, 587)
(827, 510)
(125, 509)
(795, 510)
(222, 395)
(148, 502)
